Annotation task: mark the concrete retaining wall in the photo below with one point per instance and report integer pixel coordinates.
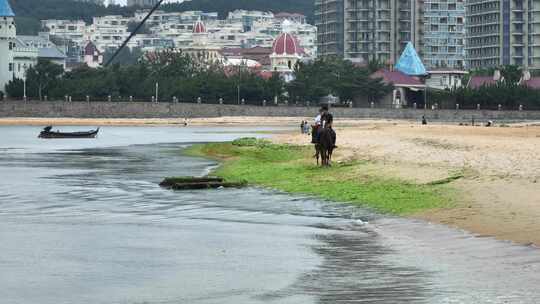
(172, 110)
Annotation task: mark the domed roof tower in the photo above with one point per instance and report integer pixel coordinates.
(199, 27)
(286, 52)
(285, 44)
(200, 35)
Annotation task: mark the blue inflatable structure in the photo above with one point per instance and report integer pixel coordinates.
(409, 62)
(5, 9)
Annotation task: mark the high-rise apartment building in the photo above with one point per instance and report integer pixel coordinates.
(503, 32)
(444, 35)
(329, 18)
(368, 29)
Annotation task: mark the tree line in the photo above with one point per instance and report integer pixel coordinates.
(179, 76)
(507, 92)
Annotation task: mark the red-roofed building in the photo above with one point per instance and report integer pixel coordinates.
(92, 56)
(407, 89)
(199, 27)
(533, 83)
(266, 74)
(259, 54)
(200, 50)
(286, 52)
(476, 82)
(398, 79)
(530, 82)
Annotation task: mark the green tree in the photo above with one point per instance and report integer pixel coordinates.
(511, 73)
(126, 56)
(275, 86)
(15, 88)
(334, 76)
(43, 76)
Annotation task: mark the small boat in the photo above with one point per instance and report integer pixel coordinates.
(48, 133)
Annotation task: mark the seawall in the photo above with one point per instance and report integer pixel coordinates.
(51, 109)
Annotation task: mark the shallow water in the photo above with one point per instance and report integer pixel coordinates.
(84, 221)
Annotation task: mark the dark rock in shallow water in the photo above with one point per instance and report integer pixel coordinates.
(170, 181)
(208, 185)
(191, 183)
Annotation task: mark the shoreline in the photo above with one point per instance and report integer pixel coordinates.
(292, 122)
(498, 195)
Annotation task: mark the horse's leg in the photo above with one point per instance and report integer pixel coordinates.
(317, 153)
(328, 158)
(323, 157)
(330, 151)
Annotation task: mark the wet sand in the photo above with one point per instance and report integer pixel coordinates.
(498, 195)
(499, 192)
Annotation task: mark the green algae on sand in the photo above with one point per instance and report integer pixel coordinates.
(292, 169)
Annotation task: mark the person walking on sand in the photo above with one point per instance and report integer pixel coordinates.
(302, 127)
(306, 127)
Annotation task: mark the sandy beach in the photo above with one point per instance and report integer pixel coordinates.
(498, 189)
(498, 192)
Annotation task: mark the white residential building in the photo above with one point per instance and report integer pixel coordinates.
(19, 53)
(24, 57)
(242, 29)
(43, 46)
(248, 17)
(8, 33)
(66, 29)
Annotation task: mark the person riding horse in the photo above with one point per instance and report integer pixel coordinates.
(315, 127)
(323, 136)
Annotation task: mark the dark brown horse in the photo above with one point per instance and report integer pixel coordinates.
(324, 145)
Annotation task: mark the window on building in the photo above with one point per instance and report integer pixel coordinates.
(10, 67)
(434, 27)
(451, 6)
(434, 6)
(443, 20)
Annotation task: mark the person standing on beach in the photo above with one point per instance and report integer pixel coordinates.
(306, 127)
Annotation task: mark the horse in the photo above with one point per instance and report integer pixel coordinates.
(326, 145)
(324, 139)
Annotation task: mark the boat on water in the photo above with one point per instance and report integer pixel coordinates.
(48, 133)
